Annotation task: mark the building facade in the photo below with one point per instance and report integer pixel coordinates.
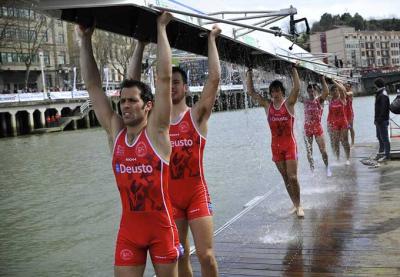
(358, 49)
(26, 34)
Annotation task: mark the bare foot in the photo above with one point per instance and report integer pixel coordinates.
(300, 212)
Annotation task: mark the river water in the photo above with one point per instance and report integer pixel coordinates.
(60, 208)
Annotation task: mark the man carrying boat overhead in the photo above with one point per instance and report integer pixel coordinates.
(141, 157)
(280, 115)
(188, 132)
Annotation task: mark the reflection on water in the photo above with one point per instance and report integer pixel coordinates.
(60, 207)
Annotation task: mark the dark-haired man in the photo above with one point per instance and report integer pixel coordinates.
(187, 187)
(280, 115)
(141, 157)
(381, 120)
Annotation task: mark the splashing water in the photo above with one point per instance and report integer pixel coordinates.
(278, 236)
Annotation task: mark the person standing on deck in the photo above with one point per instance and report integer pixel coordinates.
(313, 108)
(140, 160)
(188, 131)
(337, 121)
(349, 111)
(280, 114)
(381, 120)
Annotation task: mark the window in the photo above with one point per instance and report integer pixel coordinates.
(32, 35)
(9, 57)
(23, 13)
(14, 57)
(10, 11)
(3, 57)
(45, 36)
(46, 58)
(23, 34)
(10, 34)
(61, 58)
(60, 38)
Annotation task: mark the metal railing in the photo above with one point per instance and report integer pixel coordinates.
(85, 107)
(394, 127)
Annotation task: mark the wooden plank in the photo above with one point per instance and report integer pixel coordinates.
(357, 234)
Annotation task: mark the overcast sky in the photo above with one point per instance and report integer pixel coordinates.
(312, 9)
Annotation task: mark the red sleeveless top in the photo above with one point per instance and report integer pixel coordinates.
(187, 150)
(312, 112)
(349, 109)
(141, 175)
(281, 124)
(336, 113)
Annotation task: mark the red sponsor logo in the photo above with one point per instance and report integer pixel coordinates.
(184, 127)
(141, 149)
(119, 151)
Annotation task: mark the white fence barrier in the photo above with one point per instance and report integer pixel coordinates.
(53, 95)
(57, 95)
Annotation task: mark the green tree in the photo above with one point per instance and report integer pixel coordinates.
(357, 22)
(346, 18)
(326, 21)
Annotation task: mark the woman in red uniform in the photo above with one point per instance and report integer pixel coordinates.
(337, 121)
(349, 111)
(313, 108)
(280, 114)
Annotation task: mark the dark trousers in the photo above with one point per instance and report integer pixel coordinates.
(382, 134)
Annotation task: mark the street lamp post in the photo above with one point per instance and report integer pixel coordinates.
(42, 69)
(74, 82)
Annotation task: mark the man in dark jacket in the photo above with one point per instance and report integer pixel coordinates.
(381, 120)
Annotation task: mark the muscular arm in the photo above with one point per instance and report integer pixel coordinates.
(158, 126)
(294, 94)
(108, 119)
(251, 91)
(342, 91)
(203, 108)
(325, 90)
(135, 63)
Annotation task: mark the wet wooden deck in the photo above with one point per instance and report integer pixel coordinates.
(351, 228)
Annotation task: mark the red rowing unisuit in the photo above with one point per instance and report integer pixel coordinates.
(187, 187)
(146, 222)
(312, 118)
(283, 143)
(336, 115)
(349, 110)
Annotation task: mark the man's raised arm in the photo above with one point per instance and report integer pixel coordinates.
(252, 92)
(203, 108)
(325, 90)
(342, 91)
(135, 63)
(159, 120)
(294, 94)
(91, 77)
